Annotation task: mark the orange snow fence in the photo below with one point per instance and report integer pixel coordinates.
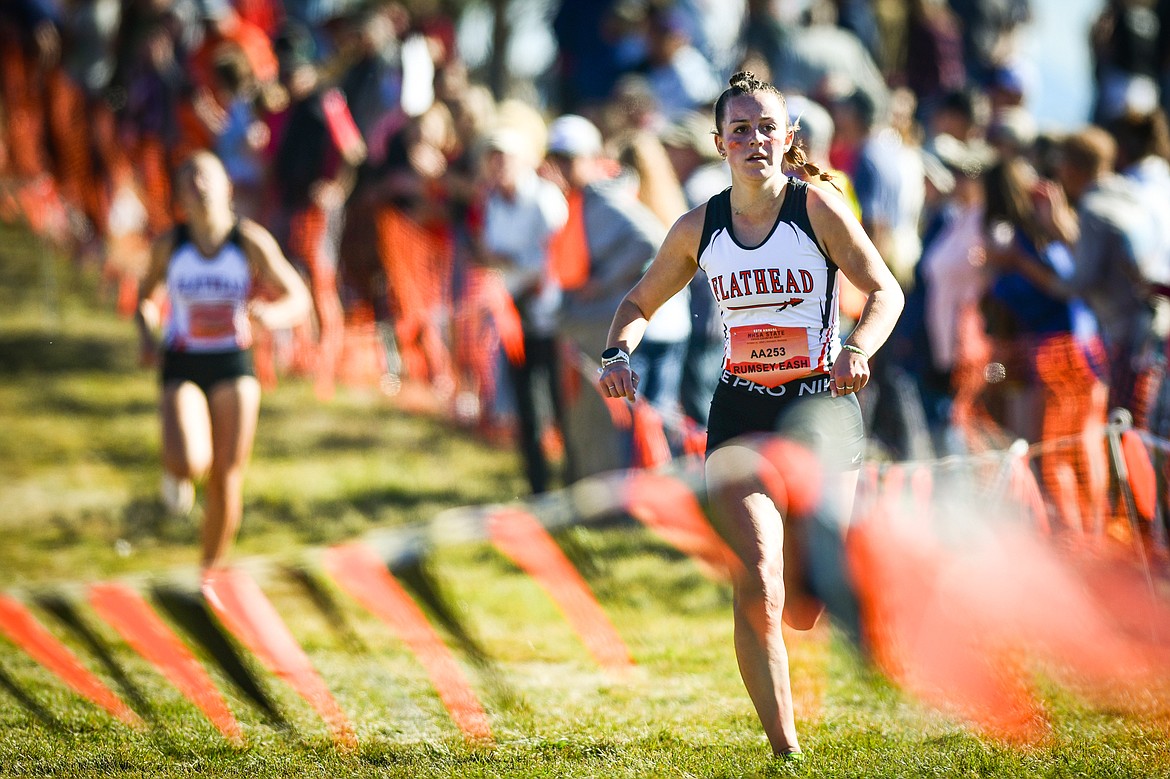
(248, 614)
(519, 536)
(129, 614)
(357, 570)
(966, 613)
(669, 508)
(23, 629)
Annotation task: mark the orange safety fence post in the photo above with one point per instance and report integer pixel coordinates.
(667, 506)
(249, 615)
(23, 629)
(358, 570)
(521, 537)
(129, 614)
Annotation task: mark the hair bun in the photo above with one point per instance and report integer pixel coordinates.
(741, 78)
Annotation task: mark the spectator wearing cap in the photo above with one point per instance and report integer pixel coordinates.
(521, 214)
(607, 241)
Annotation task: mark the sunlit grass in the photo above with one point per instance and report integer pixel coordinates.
(78, 502)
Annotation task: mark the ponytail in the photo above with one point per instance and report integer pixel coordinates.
(796, 158)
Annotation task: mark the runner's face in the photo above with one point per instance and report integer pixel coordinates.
(755, 134)
(205, 187)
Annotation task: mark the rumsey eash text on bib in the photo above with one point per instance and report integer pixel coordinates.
(769, 355)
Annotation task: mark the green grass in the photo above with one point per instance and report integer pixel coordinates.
(78, 483)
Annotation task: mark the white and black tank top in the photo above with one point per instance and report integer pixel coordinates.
(778, 300)
(208, 297)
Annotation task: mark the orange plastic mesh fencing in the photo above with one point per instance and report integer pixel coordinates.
(967, 611)
(357, 570)
(154, 168)
(1074, 410)
(128, 612)
(484, 318)
(525, 541)
(247, 613)
(21, 95)
(669, 508)
(69, 131)
(23, 629)
(418, 264)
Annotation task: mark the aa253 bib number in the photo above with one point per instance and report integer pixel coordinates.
(769, 355)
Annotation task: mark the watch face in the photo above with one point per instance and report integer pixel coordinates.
(610, 353)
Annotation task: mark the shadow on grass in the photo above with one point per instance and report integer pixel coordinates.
(54, 353)
(98, 408)
(149, 518)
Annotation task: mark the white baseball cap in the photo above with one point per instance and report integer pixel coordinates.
(574, 136)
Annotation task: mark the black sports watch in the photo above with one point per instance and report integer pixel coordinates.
(612, 355)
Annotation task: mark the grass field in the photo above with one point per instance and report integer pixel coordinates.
(78, 485)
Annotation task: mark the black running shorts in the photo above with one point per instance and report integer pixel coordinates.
(206, 369)
(803, 410)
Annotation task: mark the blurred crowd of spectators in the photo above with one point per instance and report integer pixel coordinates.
(475, 241)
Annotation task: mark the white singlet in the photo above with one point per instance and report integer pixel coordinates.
(778, 300)
(208, 297)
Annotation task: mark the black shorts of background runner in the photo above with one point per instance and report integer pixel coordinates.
(206, 369)
(804, 411)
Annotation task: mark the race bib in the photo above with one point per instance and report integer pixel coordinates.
(769, 355)
(214, 319)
